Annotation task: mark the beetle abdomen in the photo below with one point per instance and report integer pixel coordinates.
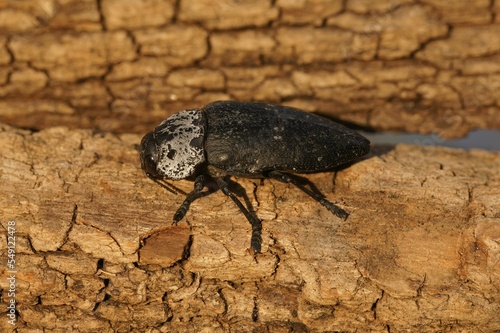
(249, 139)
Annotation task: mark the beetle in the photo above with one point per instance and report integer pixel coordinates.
(250, 140)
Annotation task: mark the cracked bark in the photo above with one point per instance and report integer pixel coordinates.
(95, 247)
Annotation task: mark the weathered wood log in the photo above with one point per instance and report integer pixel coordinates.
(427, 66)
(96, 251)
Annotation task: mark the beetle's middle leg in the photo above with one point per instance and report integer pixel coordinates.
(256, 239)
(285, 178)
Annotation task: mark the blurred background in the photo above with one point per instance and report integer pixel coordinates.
(392, 66)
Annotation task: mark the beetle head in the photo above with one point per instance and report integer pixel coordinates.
(149, 156)
(174, 149)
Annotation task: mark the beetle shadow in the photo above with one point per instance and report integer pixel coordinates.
(380, 149)
(240, 191)
(348, 124)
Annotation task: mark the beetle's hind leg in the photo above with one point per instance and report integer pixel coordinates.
(256, 240)
(285, 178)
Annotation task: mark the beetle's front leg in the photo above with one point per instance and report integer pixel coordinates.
(256, 239)
(285, 178)
(199, 184)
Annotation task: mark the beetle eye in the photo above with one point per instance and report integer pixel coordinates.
(149, 156)
(149, 167)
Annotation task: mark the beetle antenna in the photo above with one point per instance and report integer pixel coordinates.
(169, 187)
(165, 186)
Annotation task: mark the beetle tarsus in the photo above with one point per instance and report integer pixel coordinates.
(181, 211)
(256, 239)
(199, 184)
(339, 212)
(184, 207)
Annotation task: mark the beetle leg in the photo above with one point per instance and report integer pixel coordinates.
(199, 184)
(256, 239)
(285, 178)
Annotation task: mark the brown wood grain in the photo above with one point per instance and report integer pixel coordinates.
(96, 249)
(428, 66)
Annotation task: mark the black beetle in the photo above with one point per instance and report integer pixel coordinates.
(252, 140)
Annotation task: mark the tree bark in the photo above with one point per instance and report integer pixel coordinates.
(96, 251)
(427, 66)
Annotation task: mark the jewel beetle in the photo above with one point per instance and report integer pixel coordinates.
(251, 140)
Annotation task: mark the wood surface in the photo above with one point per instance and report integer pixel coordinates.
(96, 250)
(82, 81)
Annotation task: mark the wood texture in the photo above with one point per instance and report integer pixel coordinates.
(406, 65)
(96, 250)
